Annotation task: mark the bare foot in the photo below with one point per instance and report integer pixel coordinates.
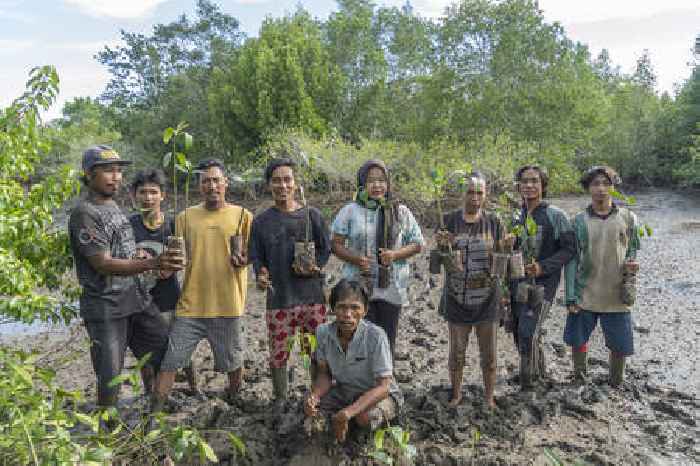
(454, 401)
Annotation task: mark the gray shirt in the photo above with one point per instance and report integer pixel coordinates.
(367, 359)
(94, 229)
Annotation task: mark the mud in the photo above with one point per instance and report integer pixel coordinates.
(652, 419)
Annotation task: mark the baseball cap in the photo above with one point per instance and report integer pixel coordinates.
(102, 155)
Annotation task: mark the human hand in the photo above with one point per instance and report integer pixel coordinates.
(311, 405)
(533, 270)
(631, 266)
(239, 260)
(363, 263)
(168, 262)
(443, 238)
(573, 308)
(263, 279)
(143, 254)
(341, 422)
(386, 256)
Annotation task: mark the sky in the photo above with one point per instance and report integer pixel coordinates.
(68, 33)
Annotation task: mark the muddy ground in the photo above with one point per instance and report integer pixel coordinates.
(652, 419)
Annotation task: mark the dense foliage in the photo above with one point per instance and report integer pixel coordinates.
(486, 73)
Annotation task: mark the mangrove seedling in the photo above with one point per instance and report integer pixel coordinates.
(176, 161)
(394, 448)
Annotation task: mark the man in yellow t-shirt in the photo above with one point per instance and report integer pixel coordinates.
(214, 288)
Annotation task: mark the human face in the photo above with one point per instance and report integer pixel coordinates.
(282, 184)
(475, 195)
(148, 197)
(212, 186)
(105, 179)
(600, 189)
(530, 185)
(376, 183)
(349, 311)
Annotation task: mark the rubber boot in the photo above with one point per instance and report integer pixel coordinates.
(580, 360)
(525, 372)
(617, 369)
(279, 382)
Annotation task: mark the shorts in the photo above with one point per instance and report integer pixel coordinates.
(617, 328)
(283, 324)
(143, 333)
(379, 415)
(225, 335)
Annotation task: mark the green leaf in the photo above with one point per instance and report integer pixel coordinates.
(22, 373)
(187, 137)
(648, 230)
(89, 421)
(168, 135)
(237, 443)
(180, 158)
(121, 378)
(206, 451)
(379, 439)
(166, 159)
(531, 226)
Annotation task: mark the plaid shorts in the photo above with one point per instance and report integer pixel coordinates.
(379, 414)
(283, 324)
(225, 335)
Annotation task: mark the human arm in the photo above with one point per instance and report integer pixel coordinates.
(564, 235)
(241, 260)
(572, 274)
(411, 239)
(365, 402)
(344, 254)
(321, 386)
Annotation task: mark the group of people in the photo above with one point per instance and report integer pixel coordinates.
(132, 295)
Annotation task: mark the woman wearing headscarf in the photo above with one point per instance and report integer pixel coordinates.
(471, 297)
(374, 236)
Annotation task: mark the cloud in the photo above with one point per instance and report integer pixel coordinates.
(122, 9)
(13, 46)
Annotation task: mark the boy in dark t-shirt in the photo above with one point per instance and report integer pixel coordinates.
(151, 231)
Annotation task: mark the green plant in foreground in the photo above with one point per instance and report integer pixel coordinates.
(394, 448)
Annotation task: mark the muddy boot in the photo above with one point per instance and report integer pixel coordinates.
(580, 359)
(279, 382)
(525, 373)
(617, 369)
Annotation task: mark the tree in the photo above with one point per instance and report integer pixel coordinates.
(34, 256)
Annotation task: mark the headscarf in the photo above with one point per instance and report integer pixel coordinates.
(387, 215)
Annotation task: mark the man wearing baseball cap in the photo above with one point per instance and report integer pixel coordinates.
(113, 304)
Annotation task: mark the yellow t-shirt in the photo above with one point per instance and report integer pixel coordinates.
(212, 287)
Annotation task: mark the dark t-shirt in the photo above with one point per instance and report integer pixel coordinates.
(555, 246)
(94, 229)
(165, 292)
(472, 296)
(272, 245)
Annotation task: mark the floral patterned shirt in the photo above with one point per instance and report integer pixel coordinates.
(359, 227)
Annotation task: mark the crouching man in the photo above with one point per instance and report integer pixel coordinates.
(355, 354)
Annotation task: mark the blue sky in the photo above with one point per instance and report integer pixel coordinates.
(68, 33)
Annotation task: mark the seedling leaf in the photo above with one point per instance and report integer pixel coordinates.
(168, 135)
(237, 443)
